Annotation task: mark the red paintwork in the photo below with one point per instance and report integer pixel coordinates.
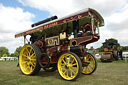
(57, 50)
(55, 53)
(64, 48)
(95, 38)
(80, 40)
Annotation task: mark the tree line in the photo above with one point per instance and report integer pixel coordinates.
(4, 52)
(115, 41)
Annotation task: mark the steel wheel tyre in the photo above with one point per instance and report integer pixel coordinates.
(28, 60)
(69, 66)
(89, 64)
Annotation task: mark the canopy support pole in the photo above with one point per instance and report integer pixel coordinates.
(24, 39)
(98, 28)
(92, 22)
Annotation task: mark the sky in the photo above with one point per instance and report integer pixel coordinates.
(18, 15)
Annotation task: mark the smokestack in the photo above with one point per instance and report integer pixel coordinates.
(44, 21)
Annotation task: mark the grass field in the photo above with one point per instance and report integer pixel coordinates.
(115, 73)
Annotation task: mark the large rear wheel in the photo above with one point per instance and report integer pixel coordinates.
(28, 59)
(69, 66)
(89, 64)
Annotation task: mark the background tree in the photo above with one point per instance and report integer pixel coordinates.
(12, 55)
(125, 48)
(4, 50)
(101, 49)
(17, 51)
(16, 54)
(111, 40)
(5, 55)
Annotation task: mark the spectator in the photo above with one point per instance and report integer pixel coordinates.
(119, 49)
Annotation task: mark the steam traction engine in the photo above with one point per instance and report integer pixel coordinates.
(61, 44)
(110, 52)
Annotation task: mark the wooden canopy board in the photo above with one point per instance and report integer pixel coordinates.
(53, 28)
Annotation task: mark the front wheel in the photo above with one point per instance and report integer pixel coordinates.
(89, 64)
(28, 59)
(69, 66)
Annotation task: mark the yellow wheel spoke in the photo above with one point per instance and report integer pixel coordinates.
(24, 55)
(31, 69)
(62, 68)
(72, 60)
(82, 68)
(33, 65)
(30, 50)
(74, 64)
(33, 62)
(86, 69)
(27, 50)
(33, 59)
(30, 63)
(73, 72)
(28, 68)
(64, 72)
(62, 64)
(87, 60)
(32, 55)
(64, 61)
(24, 62)
(67, 73)
(90, 66)
(69, 60)
(74, 68)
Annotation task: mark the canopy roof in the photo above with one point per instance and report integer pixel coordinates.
(57, 25)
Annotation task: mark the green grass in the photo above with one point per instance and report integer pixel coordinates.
(115, 73)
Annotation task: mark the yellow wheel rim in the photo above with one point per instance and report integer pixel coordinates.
(90, 64)
(27, 59)
(68, 66)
